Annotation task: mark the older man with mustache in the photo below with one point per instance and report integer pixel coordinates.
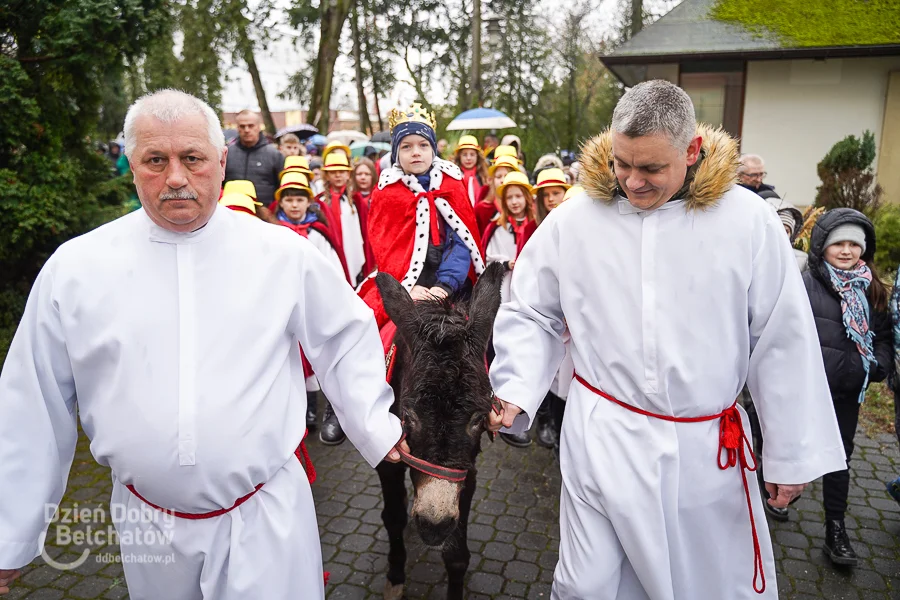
(193, 398)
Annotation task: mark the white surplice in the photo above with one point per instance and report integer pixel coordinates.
(502, 248)
(191, 393)
(671, 311)
(324, 246)
(354, 252)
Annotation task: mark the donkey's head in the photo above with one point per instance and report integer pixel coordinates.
(444, 395)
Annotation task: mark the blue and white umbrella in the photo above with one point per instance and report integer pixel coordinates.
(481, 118)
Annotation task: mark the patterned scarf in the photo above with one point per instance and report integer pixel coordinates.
(852, 286)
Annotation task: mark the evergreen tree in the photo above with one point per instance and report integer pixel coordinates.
(58, 58)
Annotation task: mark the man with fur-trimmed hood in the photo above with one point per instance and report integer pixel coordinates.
(677, 287)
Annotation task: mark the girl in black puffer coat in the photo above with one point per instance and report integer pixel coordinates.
(850, 305)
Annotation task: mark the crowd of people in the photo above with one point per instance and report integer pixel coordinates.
(643, 289)
(325, 194)
(858, 324)
(848, 299)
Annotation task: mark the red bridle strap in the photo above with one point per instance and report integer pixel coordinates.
(433, 470)
(732, 441)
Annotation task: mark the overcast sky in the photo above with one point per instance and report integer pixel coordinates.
(282, 59)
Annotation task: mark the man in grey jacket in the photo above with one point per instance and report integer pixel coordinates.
(253, 158)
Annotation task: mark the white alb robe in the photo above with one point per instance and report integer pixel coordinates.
(191, 394)
(354, 253)
(502, 248)
(324, 246)
(671, 311)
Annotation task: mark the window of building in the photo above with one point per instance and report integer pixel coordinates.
(717, 92)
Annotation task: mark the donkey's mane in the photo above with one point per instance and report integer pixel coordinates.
(444, 365)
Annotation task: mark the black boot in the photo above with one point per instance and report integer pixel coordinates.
(312, 399)
(519, 440)
(546, 431)
(837, 545)
(331, 433)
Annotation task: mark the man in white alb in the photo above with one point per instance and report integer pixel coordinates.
(677, 287)
(193, 397)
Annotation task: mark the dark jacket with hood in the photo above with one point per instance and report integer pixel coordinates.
(764, 190)
(843, 364)
(261, 164)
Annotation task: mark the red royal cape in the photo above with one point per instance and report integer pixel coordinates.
(362, 206)
(393, 232)
(484, 213)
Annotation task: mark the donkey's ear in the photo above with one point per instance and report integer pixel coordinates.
(485, 303)
(398, 304)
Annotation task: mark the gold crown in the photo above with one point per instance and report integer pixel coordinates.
(414, 113)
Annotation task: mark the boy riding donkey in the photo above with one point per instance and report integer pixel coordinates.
(421, 226)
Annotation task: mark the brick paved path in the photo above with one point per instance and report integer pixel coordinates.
(513, 534)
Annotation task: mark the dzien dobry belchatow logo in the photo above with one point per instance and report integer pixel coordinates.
(84, 529)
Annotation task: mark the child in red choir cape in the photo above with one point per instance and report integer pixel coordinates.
(363, 182)
(506, 235)
(469, 158)
(297, 211)
(488, 207)
(348, 217)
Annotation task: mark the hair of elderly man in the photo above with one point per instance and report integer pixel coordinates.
(750, 159)
(247, 111)
(169, 106)
(656, 106)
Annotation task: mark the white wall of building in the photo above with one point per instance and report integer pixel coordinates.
(795, 110)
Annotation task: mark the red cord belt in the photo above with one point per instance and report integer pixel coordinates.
(301, 454)
(732, 441)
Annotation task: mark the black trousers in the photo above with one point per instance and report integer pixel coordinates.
(756, 434)
(837, 485)
(558, 410)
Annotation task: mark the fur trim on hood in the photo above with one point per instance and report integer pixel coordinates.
(715, 173)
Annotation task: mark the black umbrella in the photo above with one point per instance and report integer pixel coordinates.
(302, 131)
(382, 136)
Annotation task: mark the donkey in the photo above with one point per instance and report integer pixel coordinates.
(443, 396)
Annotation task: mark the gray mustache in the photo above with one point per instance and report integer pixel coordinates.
(178, 195)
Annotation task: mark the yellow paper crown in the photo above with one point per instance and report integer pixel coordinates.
(414, 113)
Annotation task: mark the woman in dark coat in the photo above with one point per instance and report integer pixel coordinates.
(850, 305)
